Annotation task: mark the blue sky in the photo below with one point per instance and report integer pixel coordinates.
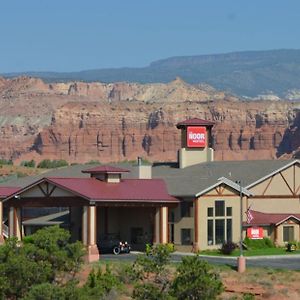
(44, 35)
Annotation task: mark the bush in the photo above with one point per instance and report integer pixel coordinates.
(50, 164)
(228, 247)
(6, 162)
(148, 291)
(100, 283)
(152, 273)
(45, 291)
(129, 274)
(291, 246)
(259, 244)
(42, 258)
(29, 164)
(195, 280)
(93, 162)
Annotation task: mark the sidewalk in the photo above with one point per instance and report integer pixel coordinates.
(235, 257)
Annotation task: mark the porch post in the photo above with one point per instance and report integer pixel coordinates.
(163, 226)
(14, 220)
(1, 223)
(89, 232)
(196, 226)
(156, 237)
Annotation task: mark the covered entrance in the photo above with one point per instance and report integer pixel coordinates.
(134, 209)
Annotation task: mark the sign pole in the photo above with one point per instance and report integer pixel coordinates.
(241, 261)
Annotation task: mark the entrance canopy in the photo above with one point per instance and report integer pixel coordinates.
(54, 191)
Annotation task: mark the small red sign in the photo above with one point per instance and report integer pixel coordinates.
(196, 137)
(255, 233)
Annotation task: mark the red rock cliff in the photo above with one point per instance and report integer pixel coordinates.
(110, 122)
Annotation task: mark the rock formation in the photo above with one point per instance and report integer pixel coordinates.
(80, 121)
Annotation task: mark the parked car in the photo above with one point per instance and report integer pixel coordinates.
(111, 243)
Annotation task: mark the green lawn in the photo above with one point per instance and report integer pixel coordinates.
(252, 252)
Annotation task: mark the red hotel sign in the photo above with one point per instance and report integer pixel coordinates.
(196, 137)
(255, 233)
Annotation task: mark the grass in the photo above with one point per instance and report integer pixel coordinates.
(251, 252)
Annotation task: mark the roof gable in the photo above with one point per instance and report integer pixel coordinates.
(260, 218)
(294, 162)
(92, 189)
(227, 182)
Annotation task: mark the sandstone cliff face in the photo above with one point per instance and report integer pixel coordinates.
(80, 121)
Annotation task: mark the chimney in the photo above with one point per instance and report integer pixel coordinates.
(144, 170)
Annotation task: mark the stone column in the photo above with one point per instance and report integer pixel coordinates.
(14, 220)
(196, 226)
(163, 226)
(89, 232)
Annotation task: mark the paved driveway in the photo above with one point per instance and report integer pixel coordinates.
(291, 262)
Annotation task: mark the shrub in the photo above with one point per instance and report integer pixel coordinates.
(29, 164)
(129, 274)
(148, 291)
(50, 164)
(228, 247)
(42, 258)
(45, 291)
(195, 280)
(6, 161)
(93, 162)
(291, 246)
(259, 244)
(153, 272)
(100, 283)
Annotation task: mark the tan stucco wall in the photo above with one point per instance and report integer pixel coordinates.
(204, 203)
(265, 193)
(192, 156)
(280, 241)
(182, 223)
(273, 205)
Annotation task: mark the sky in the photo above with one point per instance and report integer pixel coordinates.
(65, 35)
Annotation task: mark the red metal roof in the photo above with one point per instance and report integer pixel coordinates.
(5, 191)
(194, 122)
(105, 169)
(135, 190)
(260, 218)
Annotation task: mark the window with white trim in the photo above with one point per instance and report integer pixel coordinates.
(219, 223)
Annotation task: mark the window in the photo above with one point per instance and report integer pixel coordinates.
(288, 233)
(210, 232)
(220, 231)
(210, 211)
(229, 230)
(186, 236)
(186, 208)
(219, 225)
(220, 208)
(228, 211)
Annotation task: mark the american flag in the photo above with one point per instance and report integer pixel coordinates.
(249, 215)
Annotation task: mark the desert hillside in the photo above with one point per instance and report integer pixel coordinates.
(79, 121)
(246, 73)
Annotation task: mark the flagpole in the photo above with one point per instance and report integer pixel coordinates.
(241, 261)
(241, 217)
